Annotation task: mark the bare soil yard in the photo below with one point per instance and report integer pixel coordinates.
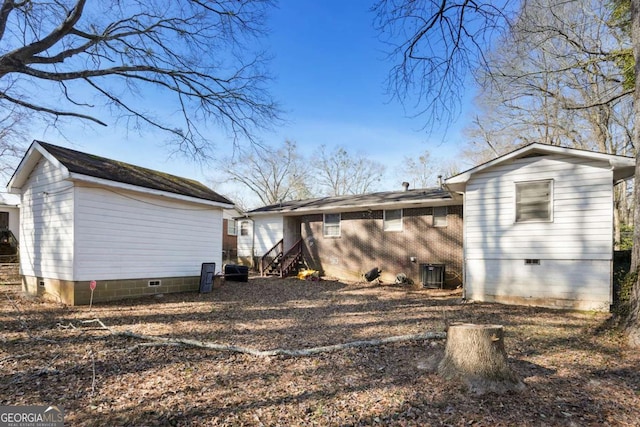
(575, 374)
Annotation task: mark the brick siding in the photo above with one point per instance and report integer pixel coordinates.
(363, 245)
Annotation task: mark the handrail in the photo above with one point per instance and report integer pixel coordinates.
(288, 260)
(268, 259)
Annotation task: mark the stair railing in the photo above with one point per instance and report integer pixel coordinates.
(271, 256)
(291, 257)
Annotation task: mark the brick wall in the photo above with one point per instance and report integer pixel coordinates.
(364, 245)
(229, 243)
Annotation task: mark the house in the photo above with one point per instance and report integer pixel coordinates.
(538, 227)
(416, 233)
(9, 238)
(134, 231)
(10, 213)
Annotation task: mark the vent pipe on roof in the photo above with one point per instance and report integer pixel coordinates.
(440, 184)
(405, 185)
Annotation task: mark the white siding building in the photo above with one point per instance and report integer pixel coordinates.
(133, 230)
(538, 227)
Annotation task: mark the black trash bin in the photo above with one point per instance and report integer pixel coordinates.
(236, 273)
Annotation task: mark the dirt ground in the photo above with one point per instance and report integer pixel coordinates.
(576, 374)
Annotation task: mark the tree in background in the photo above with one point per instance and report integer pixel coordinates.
(272, 175)
(337, 173)
(199, 55)
(13, 130)
(423, 171)
(554, 78)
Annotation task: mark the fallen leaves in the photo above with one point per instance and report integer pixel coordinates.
(573, 374)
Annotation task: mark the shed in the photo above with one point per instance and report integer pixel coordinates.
(538, 227)
(135, 231)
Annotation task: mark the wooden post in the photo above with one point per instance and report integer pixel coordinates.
(475, 354)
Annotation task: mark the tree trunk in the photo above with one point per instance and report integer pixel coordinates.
(632, 322)
(475, 354)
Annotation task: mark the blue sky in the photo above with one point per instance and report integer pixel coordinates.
(330, 69)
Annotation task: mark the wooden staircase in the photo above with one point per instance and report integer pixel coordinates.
(276, 262)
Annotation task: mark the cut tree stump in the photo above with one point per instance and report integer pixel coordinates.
(475, 354)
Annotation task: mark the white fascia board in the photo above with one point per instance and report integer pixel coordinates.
(458, 182)
(28, 162)
(144, 190)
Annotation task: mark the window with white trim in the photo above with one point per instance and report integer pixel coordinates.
(392, 220)
(533, 201)
(440, 216)
(231, 227)
(331, 225)
(244, 228)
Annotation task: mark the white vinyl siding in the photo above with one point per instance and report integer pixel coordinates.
(268, 231)
(331, 225)
(46, 224)
(575, 246)
(392, 220)
(127, 235)
(245, 238)
(579, 284)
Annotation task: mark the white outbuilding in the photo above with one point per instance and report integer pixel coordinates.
(132, 230)
(538, 227)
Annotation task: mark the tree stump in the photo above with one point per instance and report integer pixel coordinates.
(475, 354)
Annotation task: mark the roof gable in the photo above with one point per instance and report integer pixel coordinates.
(79, 165)
(623, 167)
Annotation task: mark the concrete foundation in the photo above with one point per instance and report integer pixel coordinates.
(79, 293)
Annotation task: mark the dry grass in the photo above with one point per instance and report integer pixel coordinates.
(574, 376)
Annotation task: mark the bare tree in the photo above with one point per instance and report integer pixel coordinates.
(172, 65)
(273, 175)
(420, 171)
(554, 78)
(339, 173)
(435, 44)
(13, 130)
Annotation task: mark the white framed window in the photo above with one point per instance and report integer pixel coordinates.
(392, 220)
(440, 216)
(244, 228)
(533, 201)
(331, 225)
(231, 227)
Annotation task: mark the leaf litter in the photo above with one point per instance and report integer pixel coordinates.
(575, 374)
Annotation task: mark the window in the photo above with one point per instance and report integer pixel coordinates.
(392, 220)
(244, 228)
(4, 220)
(533, 201)
(331, 225)
(440, 216)
(231, 227)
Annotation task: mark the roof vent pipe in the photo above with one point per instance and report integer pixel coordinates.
(405, 185)
(440, 184)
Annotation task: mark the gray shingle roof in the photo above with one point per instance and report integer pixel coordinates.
(415, 196)
(113, 170)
